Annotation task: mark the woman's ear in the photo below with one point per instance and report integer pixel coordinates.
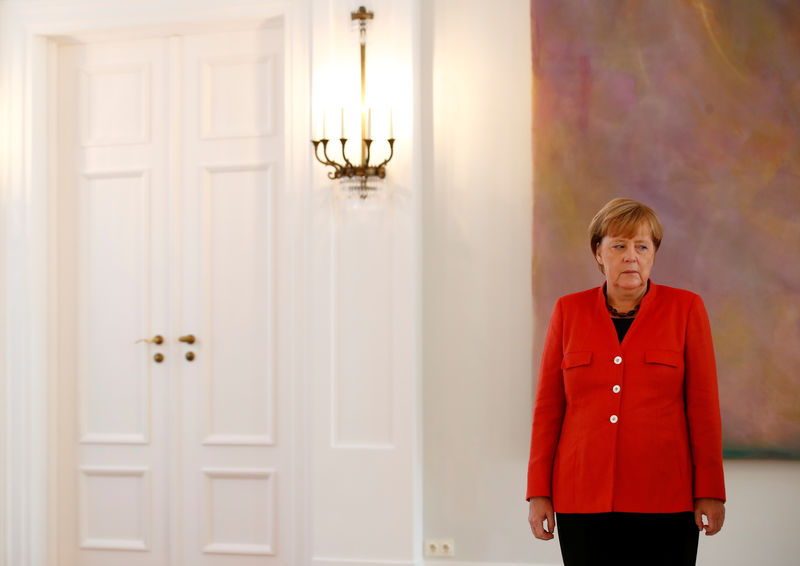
(599, 259)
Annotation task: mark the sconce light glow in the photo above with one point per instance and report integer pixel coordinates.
(355, 122)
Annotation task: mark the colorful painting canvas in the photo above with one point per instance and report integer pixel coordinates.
(692, 107)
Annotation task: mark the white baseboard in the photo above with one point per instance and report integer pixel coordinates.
(322, 561)
(446, 562)
(429, 562)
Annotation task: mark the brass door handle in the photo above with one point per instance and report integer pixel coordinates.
(189, 339)
(157, 339)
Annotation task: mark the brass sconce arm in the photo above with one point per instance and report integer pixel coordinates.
(327, 161)
(391, 153)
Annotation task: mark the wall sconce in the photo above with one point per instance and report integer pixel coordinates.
(364, 170)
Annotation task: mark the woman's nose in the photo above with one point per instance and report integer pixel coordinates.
(630, 254)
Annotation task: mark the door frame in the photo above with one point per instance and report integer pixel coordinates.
(29, 35)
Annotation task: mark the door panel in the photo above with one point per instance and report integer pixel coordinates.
(235, 460)
(113, 259)
(237, 306)
(113, 274)
(170, 167)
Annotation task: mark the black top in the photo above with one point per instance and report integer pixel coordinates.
(622, 325)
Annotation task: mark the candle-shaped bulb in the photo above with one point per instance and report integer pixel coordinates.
(369, 123)
(343, 123)
(324, 126)
(391, 125)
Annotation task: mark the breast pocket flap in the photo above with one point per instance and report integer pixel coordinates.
(575, 359)
(664, 357)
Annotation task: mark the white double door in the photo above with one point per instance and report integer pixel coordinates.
(170, 176)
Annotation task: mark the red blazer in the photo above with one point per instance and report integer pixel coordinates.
(627, 427)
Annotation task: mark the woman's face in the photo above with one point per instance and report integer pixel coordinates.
(627, 261)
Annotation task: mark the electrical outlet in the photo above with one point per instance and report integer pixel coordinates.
(440, 547)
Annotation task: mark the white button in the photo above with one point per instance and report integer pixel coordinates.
(616, 389)
(613, 419)
(618, 360)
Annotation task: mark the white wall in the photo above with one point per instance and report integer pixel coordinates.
(477, 308)
(761, 517)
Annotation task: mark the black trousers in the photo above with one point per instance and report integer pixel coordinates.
(622, 539)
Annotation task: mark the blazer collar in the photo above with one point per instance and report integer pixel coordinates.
(646, 300)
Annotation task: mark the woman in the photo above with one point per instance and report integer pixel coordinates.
(626, 446)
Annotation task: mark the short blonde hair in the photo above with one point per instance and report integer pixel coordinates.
(622, 217)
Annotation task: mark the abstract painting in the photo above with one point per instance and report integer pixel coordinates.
(692, 107)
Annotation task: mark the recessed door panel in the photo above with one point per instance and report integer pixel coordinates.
(114, 509)
(113, 279)
(238, 307)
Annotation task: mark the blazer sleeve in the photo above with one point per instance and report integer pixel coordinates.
(702, 405)
(548, 412)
